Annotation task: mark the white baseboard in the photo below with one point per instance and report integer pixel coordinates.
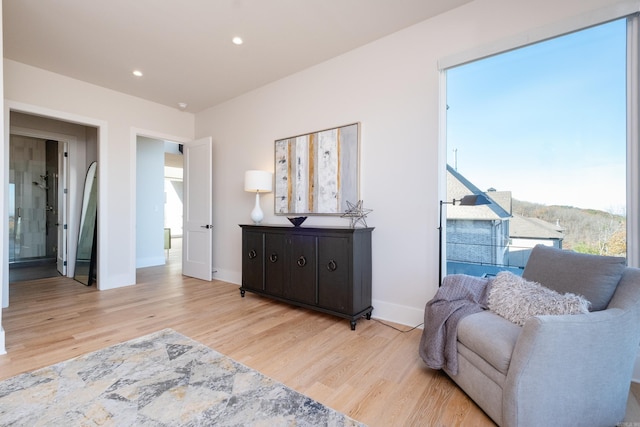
(230, 276)
(2, 347)
(402, 314)
(150, 262)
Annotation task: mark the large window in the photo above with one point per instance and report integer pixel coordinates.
(541, 131)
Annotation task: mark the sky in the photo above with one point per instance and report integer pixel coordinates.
(547, 121)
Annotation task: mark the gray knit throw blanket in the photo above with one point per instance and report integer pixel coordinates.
(459, 296)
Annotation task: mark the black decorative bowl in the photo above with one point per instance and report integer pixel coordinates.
(297, 221)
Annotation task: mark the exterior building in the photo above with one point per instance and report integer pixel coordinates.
(529, 232)
(474, 234)
(485, 239)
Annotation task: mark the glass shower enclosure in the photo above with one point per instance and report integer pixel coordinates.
(33, 200)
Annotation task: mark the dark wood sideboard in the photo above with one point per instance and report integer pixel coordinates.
(327, 269)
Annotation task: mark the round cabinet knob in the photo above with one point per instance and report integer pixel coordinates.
(252, 254)
(332, 266)
(273, 257)
(302, 261)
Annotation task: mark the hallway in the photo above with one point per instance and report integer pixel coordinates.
(42, 269)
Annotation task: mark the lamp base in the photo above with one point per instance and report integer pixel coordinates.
(256, 214)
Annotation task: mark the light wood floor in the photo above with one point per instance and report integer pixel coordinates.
(373, 374)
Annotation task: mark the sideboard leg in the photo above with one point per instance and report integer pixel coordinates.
(242, 291)
(353, 325)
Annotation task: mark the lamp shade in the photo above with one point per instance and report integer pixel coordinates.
(258, 181)
(474, 200)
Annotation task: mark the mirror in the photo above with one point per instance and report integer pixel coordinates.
(85, 271)
(317, 173)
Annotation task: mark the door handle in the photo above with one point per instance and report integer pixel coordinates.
(206, 226)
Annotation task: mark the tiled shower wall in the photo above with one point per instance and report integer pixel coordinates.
(27, 214)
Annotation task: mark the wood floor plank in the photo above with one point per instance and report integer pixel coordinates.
(373, 374)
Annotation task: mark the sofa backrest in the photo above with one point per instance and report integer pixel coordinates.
(593, 276)
(627, 296)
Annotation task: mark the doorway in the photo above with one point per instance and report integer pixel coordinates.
(174, 199)
(159, 202)
(33, 208)
(196, 204)
(48, 158)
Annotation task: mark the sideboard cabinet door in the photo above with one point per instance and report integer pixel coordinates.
(302, 262)
(253, 260)
(334, 273)
(276, 265)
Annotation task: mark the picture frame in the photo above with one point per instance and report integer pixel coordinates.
(317, 173)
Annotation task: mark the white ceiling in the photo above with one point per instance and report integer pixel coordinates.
(184, 46)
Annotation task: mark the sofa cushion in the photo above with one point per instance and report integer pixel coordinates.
(491, 337)
(517, 299)
(593, 276)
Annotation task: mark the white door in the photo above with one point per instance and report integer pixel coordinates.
(61, 223)
(197, 215)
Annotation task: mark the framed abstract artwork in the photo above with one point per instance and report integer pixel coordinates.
(317, 173)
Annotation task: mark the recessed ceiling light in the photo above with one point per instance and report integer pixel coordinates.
(237, 40)
(182, 105)
(137, 73)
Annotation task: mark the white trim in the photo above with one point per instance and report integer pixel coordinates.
(633, 137)
(150, 261)
(226, 275)
(396, 313)
(633, 154)
(35, 133)
(442, 169)
(569, 25)
(4, 217)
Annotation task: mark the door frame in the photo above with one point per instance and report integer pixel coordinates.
(62, 224)
(146, 133)
(101, 128)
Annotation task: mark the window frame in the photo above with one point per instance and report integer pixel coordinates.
(630, 11)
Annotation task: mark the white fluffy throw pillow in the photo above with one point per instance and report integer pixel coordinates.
(517, 299)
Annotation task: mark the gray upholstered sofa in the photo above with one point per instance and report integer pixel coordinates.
(567, 370)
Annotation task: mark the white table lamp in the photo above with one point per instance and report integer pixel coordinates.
(258, 182)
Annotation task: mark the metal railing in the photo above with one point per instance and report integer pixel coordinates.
(482, 259)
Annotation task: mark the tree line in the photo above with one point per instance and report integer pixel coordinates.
(585, 230)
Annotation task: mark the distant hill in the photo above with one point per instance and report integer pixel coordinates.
(585, 230)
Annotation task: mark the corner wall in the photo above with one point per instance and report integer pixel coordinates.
(392, 86)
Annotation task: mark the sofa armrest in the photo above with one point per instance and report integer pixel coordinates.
(572, 370)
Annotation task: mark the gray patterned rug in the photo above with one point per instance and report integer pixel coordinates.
(162, 379)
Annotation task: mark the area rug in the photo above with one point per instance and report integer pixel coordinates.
(162, 379)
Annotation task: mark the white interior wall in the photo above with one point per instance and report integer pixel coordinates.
(173, 208)
(149, 202)
(393, 87)
(119, 118)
